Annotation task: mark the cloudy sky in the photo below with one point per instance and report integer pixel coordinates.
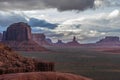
(88, 20)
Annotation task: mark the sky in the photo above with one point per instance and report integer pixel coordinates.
(88, 20)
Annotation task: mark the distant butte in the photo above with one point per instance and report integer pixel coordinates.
(40, 38)
(18, 32)
(109, 39)
(60, 42)
(74, 42)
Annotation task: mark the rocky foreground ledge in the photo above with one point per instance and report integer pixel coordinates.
(11, 62)
(17, 67)
(42, 76)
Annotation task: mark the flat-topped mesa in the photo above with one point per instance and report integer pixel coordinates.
(109, 39)
(18, 36)
(39, 37)
(18, 32)
(60, 42)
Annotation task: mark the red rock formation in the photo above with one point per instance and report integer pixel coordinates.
(11, 62)
(25, 46)
(38, 37)
(109, 39)
(0, 36)
(74, 42)
(19, 37)
(18, 32)
(60, 42)
(42, 76)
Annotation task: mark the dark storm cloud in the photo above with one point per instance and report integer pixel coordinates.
(41, 23)
(41, 4)
(70, 4)
(21, 4)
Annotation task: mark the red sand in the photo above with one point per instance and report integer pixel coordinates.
(42, 76)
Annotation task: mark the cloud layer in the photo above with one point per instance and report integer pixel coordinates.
(7, 18)
(41, 23)
(88, 25)
(42, 4)
(70, 4)
(61, 5)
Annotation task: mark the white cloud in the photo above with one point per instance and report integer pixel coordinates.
(107, 3)
(89, 26)
(114, 14)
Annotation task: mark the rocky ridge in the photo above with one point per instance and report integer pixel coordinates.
(11, 62)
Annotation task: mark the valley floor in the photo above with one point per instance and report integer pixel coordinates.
(96, 65)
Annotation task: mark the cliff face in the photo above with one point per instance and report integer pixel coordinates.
(18, 36)
(0, 36)
(11, 62)
(18, 32)
(109, 39)
(40, 38)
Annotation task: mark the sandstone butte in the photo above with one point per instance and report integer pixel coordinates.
(18, 36)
